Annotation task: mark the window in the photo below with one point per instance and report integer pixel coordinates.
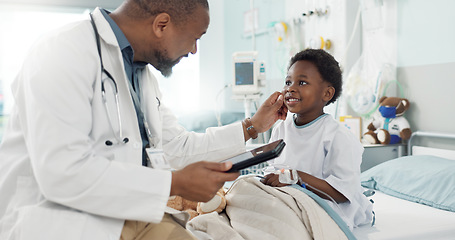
(181, 89)
(20, 26)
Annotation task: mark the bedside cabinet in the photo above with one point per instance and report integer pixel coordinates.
(375, 154)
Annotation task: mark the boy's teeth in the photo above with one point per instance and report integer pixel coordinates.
(293, 100)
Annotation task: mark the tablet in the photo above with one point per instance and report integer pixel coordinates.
(256, 156)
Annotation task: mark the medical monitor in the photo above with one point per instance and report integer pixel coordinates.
(247, 72)
(244, 73)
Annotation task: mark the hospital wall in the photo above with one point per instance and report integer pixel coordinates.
(426, 63)
(425, 55)
(226, 35)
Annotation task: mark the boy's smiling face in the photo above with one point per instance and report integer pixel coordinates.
(305, 92)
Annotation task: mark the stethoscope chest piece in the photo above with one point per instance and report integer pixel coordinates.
(110, 143)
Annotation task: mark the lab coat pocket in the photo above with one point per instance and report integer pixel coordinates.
(50, 222)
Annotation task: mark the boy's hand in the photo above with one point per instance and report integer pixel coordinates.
(201, 180)
(273, 180)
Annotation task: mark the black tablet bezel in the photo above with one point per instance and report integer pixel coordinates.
(260, 154)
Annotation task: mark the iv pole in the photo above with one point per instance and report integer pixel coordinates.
(248, 100)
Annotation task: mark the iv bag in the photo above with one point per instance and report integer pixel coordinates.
(364, 84)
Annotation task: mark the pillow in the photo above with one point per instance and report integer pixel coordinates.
(424, 179)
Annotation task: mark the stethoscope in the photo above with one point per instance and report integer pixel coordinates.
(120, 138)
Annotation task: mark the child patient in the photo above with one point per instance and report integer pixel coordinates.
(325, 154)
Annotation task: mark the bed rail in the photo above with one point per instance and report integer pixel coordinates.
(427, 134)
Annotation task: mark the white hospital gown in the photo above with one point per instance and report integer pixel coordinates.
(329, 151)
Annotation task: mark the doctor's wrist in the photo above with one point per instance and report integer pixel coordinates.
(249, 128)
(175, 184)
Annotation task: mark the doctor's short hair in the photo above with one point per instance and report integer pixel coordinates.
(179, 10)
(327, 66)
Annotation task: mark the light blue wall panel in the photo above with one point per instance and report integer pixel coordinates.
(426, 59)
(426, 32)
(224, 37)
(236, 40)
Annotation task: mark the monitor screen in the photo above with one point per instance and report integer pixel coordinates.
(244, 73)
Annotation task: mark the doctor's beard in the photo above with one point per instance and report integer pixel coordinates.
(165, 64)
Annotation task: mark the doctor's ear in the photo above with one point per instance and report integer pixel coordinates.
(161, 24)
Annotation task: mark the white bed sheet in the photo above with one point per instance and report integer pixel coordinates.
(400, 219)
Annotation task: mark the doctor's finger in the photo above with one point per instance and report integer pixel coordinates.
(219, 166)
(282, 113)
(197, 182)
(281, 108)
(268, 113)
(220, 171)
(273, 97)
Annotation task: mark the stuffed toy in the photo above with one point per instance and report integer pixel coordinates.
(181, 204)
(217, 203)
(391, 127)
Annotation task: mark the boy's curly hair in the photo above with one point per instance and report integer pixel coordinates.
(327, 66)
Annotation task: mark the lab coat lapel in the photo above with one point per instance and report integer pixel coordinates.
(113, 63)
(151, 101)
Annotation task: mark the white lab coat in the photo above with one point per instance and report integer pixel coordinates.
(58, 178)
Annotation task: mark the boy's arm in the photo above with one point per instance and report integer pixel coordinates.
(314, 184)
(320, 187)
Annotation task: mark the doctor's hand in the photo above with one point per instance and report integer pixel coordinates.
(269, 112)
(201, 180)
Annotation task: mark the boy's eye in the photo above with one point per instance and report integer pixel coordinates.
(301, 83)
(287, 83)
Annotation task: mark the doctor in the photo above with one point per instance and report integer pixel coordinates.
(87, 112)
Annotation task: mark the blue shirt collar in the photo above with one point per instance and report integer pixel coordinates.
(125, 47)
(121, 39)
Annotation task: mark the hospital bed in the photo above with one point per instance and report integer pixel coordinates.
(414, 195)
